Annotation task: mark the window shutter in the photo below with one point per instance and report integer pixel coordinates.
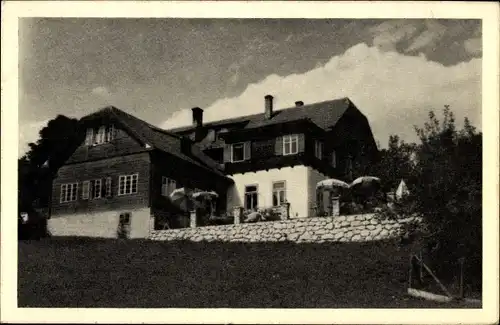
(92, 189)
(302, 142)
(103, 187)
(227, 153)
(89, 137)
(278, 147)
(246, 150)
(85, 190)
(108, 187)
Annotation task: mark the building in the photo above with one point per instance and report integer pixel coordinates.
(280, 155)
(121, 172)
(122, 169)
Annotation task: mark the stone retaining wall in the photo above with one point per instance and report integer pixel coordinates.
(327, 229)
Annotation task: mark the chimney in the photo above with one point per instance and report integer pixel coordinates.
(268, 106)
(197, 116)
(299, 103)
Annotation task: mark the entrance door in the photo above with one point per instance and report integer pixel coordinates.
(124, 225)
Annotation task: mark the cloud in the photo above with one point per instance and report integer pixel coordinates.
(393, 90)
(101, 91)
(29, 132)
(473, 46)
(429, 37)
(388, 34)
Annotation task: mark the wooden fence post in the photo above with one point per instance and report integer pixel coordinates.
(411, 271)
(462, 261)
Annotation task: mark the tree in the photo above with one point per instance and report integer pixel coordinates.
(395, 163)
(37, 167)
(448, 189)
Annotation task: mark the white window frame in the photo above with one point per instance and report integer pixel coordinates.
(110, 129)
(122, 179)
(97, 194)
(101, 135)
(242, 152)
(256, 206)
(92, 189)
(71, 189)
(167, 186)
(318, 149)
(334, 158)
(289, 140)
(280, 193)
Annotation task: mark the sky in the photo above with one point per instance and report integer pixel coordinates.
(395, 71)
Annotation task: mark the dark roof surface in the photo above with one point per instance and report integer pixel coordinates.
(324, 114)
(161, 139)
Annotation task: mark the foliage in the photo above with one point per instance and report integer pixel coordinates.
(444, 175)
(395, 163)
(448, 191)
(37, 167)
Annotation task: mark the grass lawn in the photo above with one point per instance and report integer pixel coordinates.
(138, 273)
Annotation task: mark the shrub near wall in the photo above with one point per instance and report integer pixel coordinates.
(316, 230)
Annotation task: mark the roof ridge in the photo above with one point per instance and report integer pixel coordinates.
(249, 116)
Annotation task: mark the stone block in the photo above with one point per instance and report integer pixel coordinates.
(350, 218)
(341, 218)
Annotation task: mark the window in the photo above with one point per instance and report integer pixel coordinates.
(101, 135)
(110, 131)
(167, 186)
(279, 193)
(238, 152)
(108, 187)
(334, 159)
(251, 197)
(68, 192)
(92, 189)
(290, 144)
(96, 189)
(127, 184)
(318, 149)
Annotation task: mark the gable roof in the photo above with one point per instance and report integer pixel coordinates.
(324, 114)
(157, 138)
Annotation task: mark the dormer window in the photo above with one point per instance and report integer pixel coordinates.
(290, 144)
(238, 152)
(103, 134)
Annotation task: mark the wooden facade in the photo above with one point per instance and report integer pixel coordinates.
(351, 140)
(138, 163)
(125, 155)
